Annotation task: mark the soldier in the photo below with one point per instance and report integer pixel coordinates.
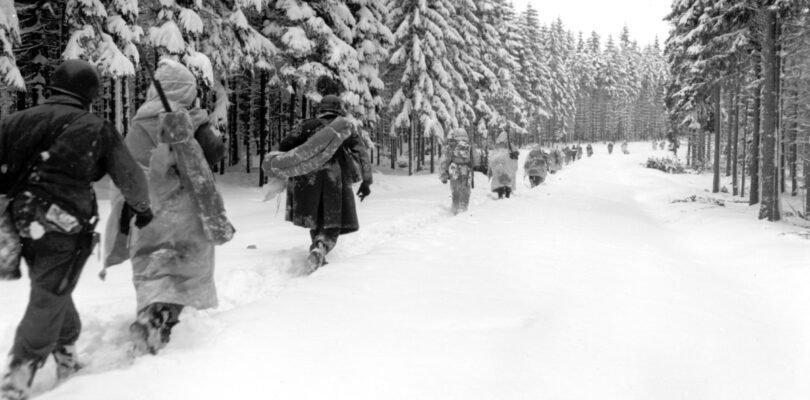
(589, 149)
(625, 150)
(456, 167)
(610, 147)
(536, 166)
(323, 200)
(502, 171)
(51, 154)
(172, 258)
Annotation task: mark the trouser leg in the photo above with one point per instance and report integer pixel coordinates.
(461, 195)
(326, 236)
(54, 263)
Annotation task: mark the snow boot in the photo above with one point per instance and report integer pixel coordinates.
(16, 383)
(152, 328)
(67, 361)
(317, 257)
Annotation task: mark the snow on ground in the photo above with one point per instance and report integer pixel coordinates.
(592, 286)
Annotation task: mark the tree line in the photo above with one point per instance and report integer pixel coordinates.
(738, 94)
(411, 71)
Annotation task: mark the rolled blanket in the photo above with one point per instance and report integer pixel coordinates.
(312, 154)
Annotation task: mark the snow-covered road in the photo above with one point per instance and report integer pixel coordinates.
(592, 286)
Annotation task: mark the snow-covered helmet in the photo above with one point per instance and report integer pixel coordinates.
(331, 104)
(76, 78)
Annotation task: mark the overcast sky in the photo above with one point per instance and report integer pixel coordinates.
(644, 18)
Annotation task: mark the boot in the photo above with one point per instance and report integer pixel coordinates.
(67, 362)
(317, 257)
(152, 328)
(16, 383)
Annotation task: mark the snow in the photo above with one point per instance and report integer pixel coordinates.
(167, 35)
(592, 286)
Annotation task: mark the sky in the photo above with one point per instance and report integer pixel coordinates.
(644, 18)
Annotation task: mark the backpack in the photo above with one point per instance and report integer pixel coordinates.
(461, 153)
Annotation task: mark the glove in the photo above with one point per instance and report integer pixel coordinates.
(364, 190)
(127, 213)
(143, 218)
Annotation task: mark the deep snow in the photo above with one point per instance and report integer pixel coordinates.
(592, 286)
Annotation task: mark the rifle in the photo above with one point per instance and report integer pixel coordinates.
(154, 81)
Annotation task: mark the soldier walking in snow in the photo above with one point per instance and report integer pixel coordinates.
(173, 257)
(502, 170)
(51, 154)
(456, 167)
(625, 150)
(589, 149)
(610, 147)
(323, 200)
(536, 166)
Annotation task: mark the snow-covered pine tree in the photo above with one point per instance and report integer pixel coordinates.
(372, 40)
(507, 102)
(534, 76)
(315, 39)
(9, 37)
(425, 99)
(561, 100)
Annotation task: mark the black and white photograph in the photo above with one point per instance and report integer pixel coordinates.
(405, 199)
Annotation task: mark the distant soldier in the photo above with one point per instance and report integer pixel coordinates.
(536, 166)
(456, 167)
(662, 144)
(625, 150)
(610, 147)
(502, 171)
(570, 155)
(578, 149)
(589, 150)
(555, 161)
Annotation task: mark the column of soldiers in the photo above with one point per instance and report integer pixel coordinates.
(167, 214)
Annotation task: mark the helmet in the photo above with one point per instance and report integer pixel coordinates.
(331, 104)
(76, 78)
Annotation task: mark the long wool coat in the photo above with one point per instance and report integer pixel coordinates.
(324, 198)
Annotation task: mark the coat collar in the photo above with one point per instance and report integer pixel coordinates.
(66, 100)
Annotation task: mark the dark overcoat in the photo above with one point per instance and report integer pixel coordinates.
(324, 198)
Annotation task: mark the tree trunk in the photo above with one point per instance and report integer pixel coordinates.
(770, 179)
(744, 149)
(793, 145)
(262, 123)
(755, 136)
(729, 135)
(432, 152)
(393, 142)
(718, 123)
(736, 138)
(410, 145)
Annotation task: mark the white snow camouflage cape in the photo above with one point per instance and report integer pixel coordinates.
(502, 170)
(173, 256)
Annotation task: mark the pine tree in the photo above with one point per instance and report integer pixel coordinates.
(425, 98)
(9, 36)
